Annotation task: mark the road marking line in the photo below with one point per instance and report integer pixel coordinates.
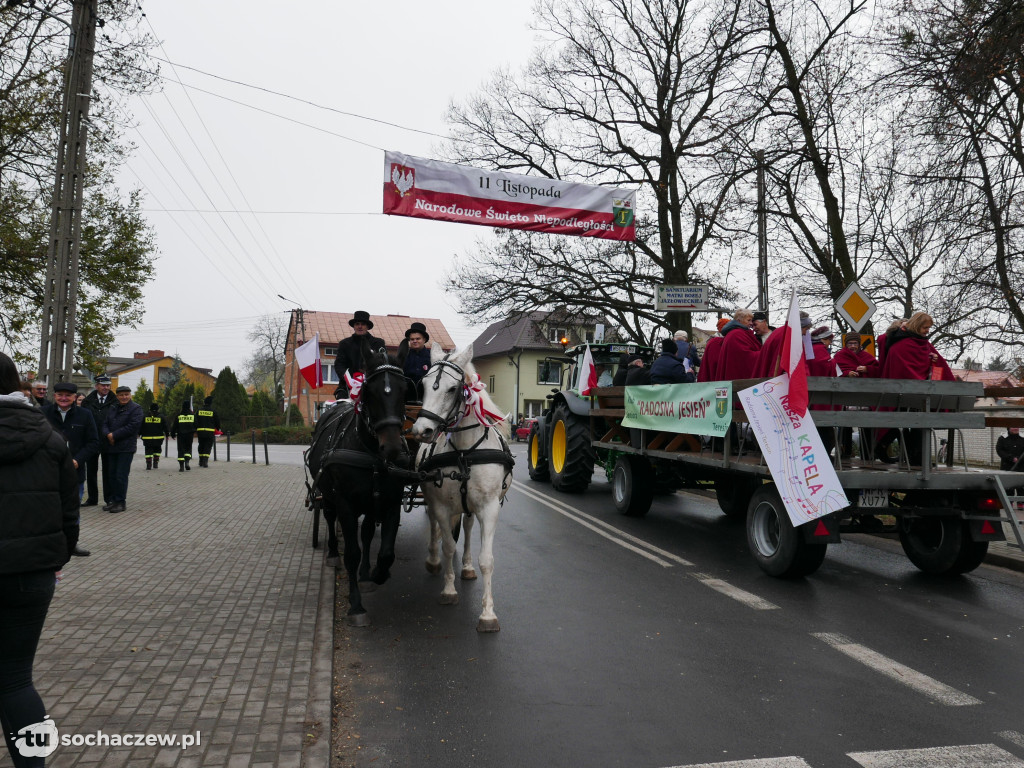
(988, 755)
(741, 595)
(921, 683)
(599, 532)
(1013, 737)
(661, 553)
(767, 762)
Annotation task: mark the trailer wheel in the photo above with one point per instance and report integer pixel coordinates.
(778, 547)
(536, 460)
(570, 454)
(734, 495)
(935, 544)
(633, 485)
(972, 554)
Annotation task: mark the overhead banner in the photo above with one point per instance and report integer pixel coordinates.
(430, 189)
(692, 409)
(793, 451)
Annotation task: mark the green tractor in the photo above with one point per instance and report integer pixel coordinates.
(559, 446)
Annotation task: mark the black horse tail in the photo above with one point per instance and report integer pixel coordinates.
(457, 529)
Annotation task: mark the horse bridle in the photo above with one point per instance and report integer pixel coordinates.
(386, 369)
(444, 422)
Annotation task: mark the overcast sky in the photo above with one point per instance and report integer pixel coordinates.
(318, 236)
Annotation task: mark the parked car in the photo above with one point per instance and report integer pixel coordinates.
(523, 432)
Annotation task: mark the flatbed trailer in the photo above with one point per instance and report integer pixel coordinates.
(946, 513)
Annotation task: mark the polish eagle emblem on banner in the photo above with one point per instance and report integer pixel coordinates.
(404, 178)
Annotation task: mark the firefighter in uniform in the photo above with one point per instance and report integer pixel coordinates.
(207, 424)
(154, 430)
(183, 429)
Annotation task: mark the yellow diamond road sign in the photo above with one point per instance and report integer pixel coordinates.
(855, 306)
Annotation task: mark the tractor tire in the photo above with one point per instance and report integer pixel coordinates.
(778, 547)
(936, 544)
(570, 455)
(633, 485)
(734, 496)
(536, 458)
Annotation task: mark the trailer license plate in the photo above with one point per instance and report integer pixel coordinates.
(874, 497)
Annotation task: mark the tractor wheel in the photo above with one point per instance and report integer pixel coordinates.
(778, 547)
(536, 458)
(570, 454)
(633, 485)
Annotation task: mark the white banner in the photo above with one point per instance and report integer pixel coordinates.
(430, 189)
(793, 451)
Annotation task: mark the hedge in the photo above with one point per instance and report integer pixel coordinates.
(278, 435)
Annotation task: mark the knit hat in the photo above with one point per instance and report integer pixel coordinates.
(821, 332)
(805, 320)
(669, 347)
(722, 322)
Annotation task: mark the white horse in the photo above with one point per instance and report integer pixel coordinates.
(461, 432)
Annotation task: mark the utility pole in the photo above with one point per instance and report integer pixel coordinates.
(762, 236)
(60, 292)
(299, 314)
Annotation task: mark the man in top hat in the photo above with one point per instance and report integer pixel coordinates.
(98, 402)
(119, 437)
(415, 356)
(77, 428)
(349, 350)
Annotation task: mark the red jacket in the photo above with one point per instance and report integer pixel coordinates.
(709, 362)
(740, 350)
(908, 356)
(849, 361)
(821, 365)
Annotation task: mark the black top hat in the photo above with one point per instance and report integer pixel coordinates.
(419, 328)
(65, 386)
(361, 317)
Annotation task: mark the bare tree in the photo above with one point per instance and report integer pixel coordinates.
(264, 369)
(627, 93)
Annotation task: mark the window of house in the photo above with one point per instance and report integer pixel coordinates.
(549, 372)
(555, 334)
(490, 383)
(328, 373)
(589, 337)
(330, 351)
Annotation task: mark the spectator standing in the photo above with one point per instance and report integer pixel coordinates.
(76, 426)
(1010, 448)
(154, 430)
(207, 426)
(38, 531)
(39, 392)
(668, 368)
(120, 429)
(183, 429)
(99, 401)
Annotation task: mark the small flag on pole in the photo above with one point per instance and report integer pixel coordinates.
(308, 358)
(793, 359)
(588, 373)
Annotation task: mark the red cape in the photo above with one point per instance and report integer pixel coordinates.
(850, 361)
(908, 357)
(769, 359)
(709, 361)
(740, 351)
(821, 365)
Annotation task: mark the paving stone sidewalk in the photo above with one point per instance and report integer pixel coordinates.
(197, 612)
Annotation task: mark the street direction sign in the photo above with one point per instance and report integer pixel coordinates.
(681, 297)
(855, 306)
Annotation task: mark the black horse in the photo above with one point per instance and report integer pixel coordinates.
(352, 447)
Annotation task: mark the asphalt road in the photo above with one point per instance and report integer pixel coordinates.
(657, 642)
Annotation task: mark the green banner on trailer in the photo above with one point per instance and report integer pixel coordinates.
(693, 409)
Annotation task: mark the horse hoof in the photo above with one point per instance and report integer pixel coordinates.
(377, 578)
(359, 620)
(487, 625)
(447, 599)
(433, 568)
(468, 574)
(332, 562)
(367, 586)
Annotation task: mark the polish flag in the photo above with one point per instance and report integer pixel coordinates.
(308, 358)
(793, 359)
(588, 370)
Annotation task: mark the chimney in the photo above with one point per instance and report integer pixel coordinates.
(153, 354)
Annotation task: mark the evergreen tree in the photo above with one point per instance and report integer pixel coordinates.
(296, 419)
(143, 395)
(174, 375)
(263, 410)
(230, 401)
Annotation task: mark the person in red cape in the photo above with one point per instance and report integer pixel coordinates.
(769, 359)
(909, 355)
(854, 362)
(821, 364)
(740, 348)
(708, 370)
(895, 325)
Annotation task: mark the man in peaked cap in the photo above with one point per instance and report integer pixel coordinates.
(98, 402)
(349, 355)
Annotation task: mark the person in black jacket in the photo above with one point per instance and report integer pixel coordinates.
(1010, 448)
(183, 429)
(38, 531)
(207, 426)
(120, 440)
(668, 369)
(638, 373)
(98, 402)
(79, 431)
(154, 430)
(350, 356)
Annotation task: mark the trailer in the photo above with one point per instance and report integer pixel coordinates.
(945, 513)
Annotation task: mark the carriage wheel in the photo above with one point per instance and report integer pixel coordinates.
(316, 522)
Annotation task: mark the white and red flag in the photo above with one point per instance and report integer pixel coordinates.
(308, 358)
(793, 359)
(430, 189)
(588, 373)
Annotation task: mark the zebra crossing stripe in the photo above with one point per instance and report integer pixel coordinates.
(970, 756)
(929, 686)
